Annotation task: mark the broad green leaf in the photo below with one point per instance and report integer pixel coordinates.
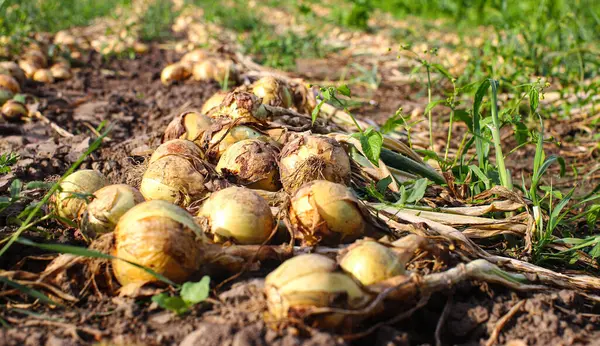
(383, 184)
(175, 304)
(534, 100)
(417, 191)
(392, 123)
(371, 142)
(315, 112)
(443, 71)
(521, 133)
(464, 116)
(15, 188)
(432, 104)
(196, 292)
(481, 92)
(595, 251)
(344, 90)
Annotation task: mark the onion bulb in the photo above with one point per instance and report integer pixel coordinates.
(14, 70)
(174, 72)
(272, 92)
(175, 173)
(9, 83)
(213, 101)
(188, 125)
(211, 69)
(226, 137)
(252, 163)
(14, 110)
(109, 204)
(160, 236)
(64, 38)
(309, 281)
(238, 214)
(60, 71)
(370, 262)
(85, 181)
(241, 106)
(312, 157)
(322, 211)
(43, 75)
(28, 67)
(37, 58)
(195, 56)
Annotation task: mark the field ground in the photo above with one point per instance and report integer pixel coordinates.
(416, 75)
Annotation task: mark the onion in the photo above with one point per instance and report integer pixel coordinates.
(327, 212)
(175, 174)
(309, 281)
(272, 92)
(86, 181)
(160, 236)
(14, 70)
(37, 58)
(311, 157)
(60, 71)
(241, 106)
(252, 163)
(226, 137)
(5, 95)
(211, 69)
(43, 75)
(109, 204)
(188, 125)
(174, 72)
(14, 110)
(28, 67)
(140, 48)
(370, 262)
(64, 38)
(9, 83)
(238, 214)
(213, 101)
(195, 56)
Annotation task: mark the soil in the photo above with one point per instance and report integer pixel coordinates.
(128, 94)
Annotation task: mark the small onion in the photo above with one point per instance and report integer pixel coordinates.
(174, 72)
(9, 83)
(327, 212)
(14, 110)
(37, 58)
(238, 214)
(160, 236)
(28, 67)
(60, 71)
(309, 281)
(5, 95)
(252, 163)
(140, 48)
(195, 56)
(225, 138)
(175, 174)
(64, 38)
(241, 106)
(213, 101)
(188, 125)
(14, 70)
(43, 75)
(85, 181)
(211, 69)
(272, 92)
(311, 157)
(109, 204)
(370, 262)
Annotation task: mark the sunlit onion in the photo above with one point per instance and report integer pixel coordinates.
(74, 189)
(14, 110)
(370, 262)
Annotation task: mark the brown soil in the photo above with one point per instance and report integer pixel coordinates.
(128, 94)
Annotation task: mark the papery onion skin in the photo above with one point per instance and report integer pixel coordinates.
(28, 67)
(195, 56)
(189, 125)
(84, 181)
(242, 107)
(178, 147)
(213, 101)
(298, 266)
(238, 214)
(14, 110)
(159, 236)
(211, 69)
(322, 211)
(61, 72)
(272, 92)
(43, 75)
(174, 72)
(109, 204)
(312, 157)
(14, 70)
(10, 83)
(226, 137)
(252, 163)
(370, 262)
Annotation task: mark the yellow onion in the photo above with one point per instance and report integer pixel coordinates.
(14, 70)
(64, 38)
(43, 75)
(311, 157)
(60, 71)
(309, 281)
(322, 211)
(109, 204)
(9, 83)
(272, 92)
(175, 174)
(238, 214)
(5, 95)
(188, 125)
(213, 101)
(160, 236)
(195, 56)
(174, 72)
(36, 57)
(14, 110)
(28, 67)
(370, 262)
(211, 69)
(241, 106)
(252, 163)
(85, 181)
(226, 137)
(140, 48)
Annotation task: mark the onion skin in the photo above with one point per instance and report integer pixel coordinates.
(14, 70)
(371, 262)
(37, 58)
(9, 83)
(85, 181)
(213, 101)
(189, 125)
(322, 211)
(178, 147)
(14, 110)
(109, 204)
(195, 56)
(44, 76)
(211, 69)
(272, 92)
(252, 163)
(238, 214)
(308, 282)
(61, 72)
(226, 137)
(312, 157)
(160, 236)
(174, 72)
(241, 106)
(28, 67)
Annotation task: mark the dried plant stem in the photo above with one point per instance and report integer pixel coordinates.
(502, 321)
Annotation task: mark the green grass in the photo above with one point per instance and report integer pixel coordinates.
(157, 20)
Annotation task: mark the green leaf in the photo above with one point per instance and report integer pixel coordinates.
(534, 99)
(464, 116)
(19, 98)
(417, 191)
(431, 105)
(392, 122)
(196, 292)
(443, 71)
(481, 92)
(595, 251)
(29, 291)
(315, 112)
(383, 184)
(175, 304)
(15, 188)
(521, 133)
(371, 142)
(344, 90)
(555, 216)
(34, 185)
